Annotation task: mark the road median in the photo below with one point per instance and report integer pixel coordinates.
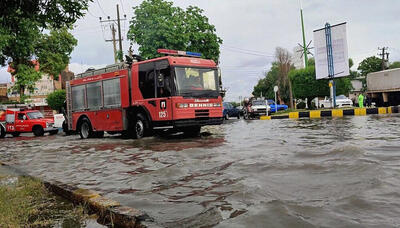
(316, 114)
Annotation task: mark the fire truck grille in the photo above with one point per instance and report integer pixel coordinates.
(201, 113)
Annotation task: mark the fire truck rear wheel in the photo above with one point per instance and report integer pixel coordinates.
(85, 129)
(141, 127)
(38, 131)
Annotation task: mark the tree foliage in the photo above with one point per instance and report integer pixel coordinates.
(23, 36)
(369, 65)
(394, 65)
(305, 85)
(56, 99)
(51, 61)
(265, 86)
(158, 24)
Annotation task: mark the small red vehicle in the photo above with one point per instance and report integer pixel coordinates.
(17, 121)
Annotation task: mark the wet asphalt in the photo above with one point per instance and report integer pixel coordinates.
(333, 172)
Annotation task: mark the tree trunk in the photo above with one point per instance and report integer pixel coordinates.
(290, 94)
(22, 94)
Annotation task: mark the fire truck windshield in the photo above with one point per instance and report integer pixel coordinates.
(35, 115)
(196, 82)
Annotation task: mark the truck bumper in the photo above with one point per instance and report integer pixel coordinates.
(188, 122)
(50, 129)
(198, 122)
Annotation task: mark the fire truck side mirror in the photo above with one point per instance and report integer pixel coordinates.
(160, 80)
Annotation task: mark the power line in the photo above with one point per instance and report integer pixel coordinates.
(98, 3)
(91, 14)
(247, 50)
(248, 53)
(122, 6)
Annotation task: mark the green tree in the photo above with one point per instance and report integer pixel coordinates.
(22, 28)
(369, 65)
(265, 86)
(394, 65)
(56, 99)
(305, 84)
(54, 62)
(158, 24)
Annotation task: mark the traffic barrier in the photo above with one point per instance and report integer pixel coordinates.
(360, 111)
(335, 113)
(315, 114)
(293, 115)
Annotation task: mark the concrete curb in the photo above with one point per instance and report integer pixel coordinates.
(109, 211)
(315, 114)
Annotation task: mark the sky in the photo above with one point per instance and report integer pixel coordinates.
(251, 30)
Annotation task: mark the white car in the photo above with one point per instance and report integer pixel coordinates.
(341, 101)
(260, 107)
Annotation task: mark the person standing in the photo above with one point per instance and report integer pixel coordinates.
(361, 100)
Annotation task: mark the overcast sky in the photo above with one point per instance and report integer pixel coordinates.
(251, 30)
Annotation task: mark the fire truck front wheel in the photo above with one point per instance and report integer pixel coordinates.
(38, 131)
(141, 127)
(85, 129)
(2, 132)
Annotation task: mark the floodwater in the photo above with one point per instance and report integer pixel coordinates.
(342, 172)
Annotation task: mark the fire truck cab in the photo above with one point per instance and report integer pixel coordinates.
(17, 121)
(166, 94)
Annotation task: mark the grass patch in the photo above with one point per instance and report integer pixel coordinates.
(27, 203)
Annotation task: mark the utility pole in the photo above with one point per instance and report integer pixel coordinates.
(119, 32)
(114, 43)
(383, 55)
(112, 23)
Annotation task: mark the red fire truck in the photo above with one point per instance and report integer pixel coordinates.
(17, 121)
(175, 93)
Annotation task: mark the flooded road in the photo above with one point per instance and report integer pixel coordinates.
(280, 173)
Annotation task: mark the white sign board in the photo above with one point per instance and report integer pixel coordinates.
(339, 49)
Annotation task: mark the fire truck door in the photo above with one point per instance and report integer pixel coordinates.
(21, 123)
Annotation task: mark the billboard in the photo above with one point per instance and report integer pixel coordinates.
(339, 52)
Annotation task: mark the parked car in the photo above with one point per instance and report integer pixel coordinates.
(230, 111)
(341, 101)
(275, 107)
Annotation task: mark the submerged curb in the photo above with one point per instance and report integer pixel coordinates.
(315, 114)
(109, 211)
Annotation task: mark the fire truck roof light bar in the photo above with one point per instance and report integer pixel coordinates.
(180, 53)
